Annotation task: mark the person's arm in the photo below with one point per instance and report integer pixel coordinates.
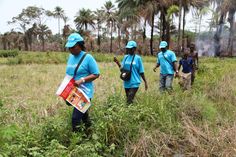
(144, 79)
(179, 65)
(88, 78)
(93, 71)
(174, 61)
(117, 62)
(176, 69)
(157, 65)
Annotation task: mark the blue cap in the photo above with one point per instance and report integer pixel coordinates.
(163, 44)
(131, 44)
(73, 39)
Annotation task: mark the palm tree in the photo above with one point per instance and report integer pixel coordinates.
(84, 18)
(110, 18)
(99, 16)
(128, 19)
(27, 17)
(31, 34)
(185, 5)
(201, 12)
(59, 14)
(224, 7)
(43, 32)
(229, 6)
(147, 9)
(65, 33)
(65, 19)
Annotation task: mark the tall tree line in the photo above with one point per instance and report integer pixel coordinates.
(114, 26)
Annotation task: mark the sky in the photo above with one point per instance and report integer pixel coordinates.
(12, 8)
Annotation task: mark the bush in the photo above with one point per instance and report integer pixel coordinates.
(8, 53)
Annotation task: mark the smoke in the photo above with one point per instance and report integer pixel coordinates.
(213, 43)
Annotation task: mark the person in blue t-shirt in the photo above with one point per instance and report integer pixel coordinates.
(187, 63)
(166, 59)
(131, 86)
(87, 72)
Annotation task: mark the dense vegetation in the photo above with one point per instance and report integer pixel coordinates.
(35, 122)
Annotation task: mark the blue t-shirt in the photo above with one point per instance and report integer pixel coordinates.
(187, 65)
(87, 67)
(166, 67)
(137, 69)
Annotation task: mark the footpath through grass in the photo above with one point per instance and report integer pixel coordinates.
(35, 122)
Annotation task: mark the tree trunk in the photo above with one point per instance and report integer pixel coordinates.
(217, 35)
(4, 42)
(144, 31)
(59, 26)
(231, 34)
(163, 21)
(179, 32)
(183, 29)
(43, 44)
(151, 39)
(119, 37)
(168, 32)
(26, 43)
(99, 39)
(91, 45)
(111, 38)
(200, 23)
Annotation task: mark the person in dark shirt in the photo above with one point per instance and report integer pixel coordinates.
(187, 68)
(194, 56)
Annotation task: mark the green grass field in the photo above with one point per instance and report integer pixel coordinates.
(35, 122)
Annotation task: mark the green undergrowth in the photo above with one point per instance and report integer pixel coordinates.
(53, 57)
(165, 124)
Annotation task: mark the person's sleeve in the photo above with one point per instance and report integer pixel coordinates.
(141, 67)
(180, 62)
(93, 67)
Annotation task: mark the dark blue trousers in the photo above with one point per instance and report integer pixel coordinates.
(130, 93)
(77, 117)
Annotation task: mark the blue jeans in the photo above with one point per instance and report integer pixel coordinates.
(166, 82)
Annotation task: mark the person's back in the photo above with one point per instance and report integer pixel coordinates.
(166, 60)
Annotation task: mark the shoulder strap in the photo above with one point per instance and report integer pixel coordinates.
(167, 60)
(80, 61)
(132, 63)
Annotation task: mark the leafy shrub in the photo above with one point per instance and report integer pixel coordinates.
(8, 53)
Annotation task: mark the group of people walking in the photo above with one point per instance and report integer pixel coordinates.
(131, 67)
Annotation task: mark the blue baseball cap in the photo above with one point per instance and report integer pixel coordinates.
(163, 44)
(131, 44)
(73, 39)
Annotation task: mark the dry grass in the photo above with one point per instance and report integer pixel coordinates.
(202, 142)
(225, 90)
(28, 97)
